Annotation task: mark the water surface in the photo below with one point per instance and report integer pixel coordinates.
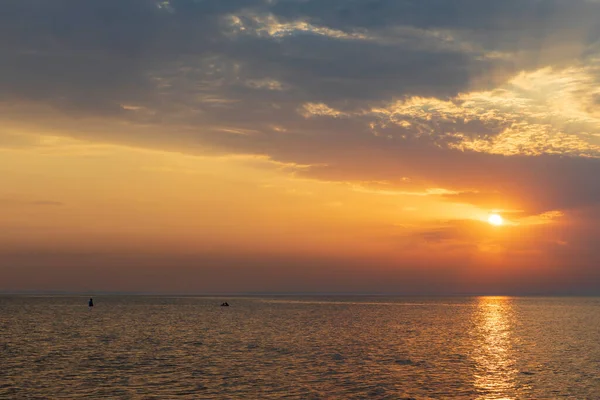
(307, 348)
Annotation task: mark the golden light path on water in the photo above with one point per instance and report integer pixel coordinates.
(495, 369)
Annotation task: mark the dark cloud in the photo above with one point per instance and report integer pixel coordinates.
(97, 55)
(463, 14)
(510, 25)
(94, 56)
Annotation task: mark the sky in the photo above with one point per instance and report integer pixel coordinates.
(300, 146)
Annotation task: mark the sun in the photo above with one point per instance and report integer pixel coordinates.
(495, 219)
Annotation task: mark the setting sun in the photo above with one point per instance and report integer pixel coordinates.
(495, 219)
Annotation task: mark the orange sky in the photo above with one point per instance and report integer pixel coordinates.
(242, 162)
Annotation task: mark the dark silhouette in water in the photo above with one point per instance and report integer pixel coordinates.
(91, 303)
(226, 304)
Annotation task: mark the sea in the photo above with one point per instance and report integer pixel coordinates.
(282, 347)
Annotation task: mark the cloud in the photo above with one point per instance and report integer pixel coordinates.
(47, 203)
(270, 26)
(93, 56)
(474, 97)
(7, 202)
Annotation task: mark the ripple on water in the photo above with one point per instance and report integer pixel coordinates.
(142, 348)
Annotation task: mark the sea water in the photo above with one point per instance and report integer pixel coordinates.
(134, 347)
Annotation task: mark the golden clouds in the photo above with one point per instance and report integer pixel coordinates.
(309, 110)
(529, 140)
(542, 112)
(270, 25)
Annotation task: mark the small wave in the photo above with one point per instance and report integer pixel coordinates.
(409, 362)
(527, 373)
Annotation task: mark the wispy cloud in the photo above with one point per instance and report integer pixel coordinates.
(10, 202)
(270, 25)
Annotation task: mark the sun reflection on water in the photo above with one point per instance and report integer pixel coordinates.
(495, 371)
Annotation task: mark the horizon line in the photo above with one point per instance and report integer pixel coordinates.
(284, 294)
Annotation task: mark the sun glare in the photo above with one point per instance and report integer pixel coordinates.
(495, 219)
